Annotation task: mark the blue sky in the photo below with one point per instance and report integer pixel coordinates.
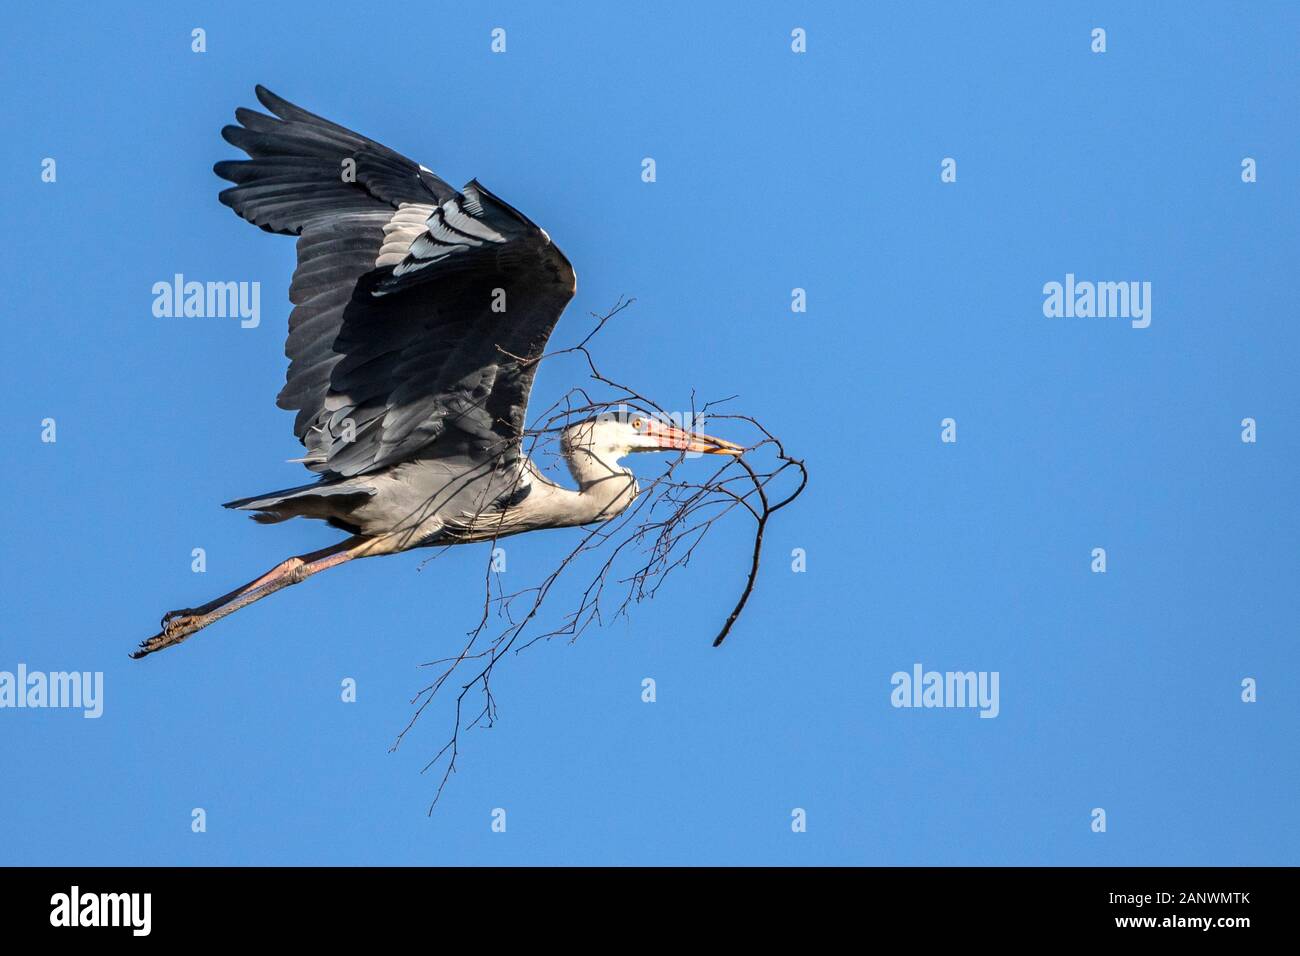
(775, 170)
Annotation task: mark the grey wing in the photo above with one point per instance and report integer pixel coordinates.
(303, 169)
(418, 312)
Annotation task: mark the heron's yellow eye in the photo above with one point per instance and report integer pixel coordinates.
(636, 423)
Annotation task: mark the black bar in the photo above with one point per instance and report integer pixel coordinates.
(332, 904)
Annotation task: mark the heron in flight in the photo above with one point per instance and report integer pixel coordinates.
(420, 315)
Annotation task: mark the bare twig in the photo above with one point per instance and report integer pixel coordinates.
(665, 523)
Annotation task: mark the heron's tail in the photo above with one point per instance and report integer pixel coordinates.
(331, 501)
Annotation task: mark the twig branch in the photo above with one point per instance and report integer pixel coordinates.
(666, 522)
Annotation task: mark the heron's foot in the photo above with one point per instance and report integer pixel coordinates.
(176, 626)
(173, 615)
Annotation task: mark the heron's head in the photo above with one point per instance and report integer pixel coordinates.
(610, 437)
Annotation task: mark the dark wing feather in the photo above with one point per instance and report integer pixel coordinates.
(303, 168)
(418, 312)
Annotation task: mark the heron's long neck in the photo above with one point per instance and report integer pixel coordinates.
(604, 489)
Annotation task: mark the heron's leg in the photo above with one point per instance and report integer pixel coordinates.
(178, 625)
(284, 567)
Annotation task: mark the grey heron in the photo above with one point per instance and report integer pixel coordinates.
(420, 315)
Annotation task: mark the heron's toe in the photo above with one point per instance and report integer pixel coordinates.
(171, 616)
(148, 647)
(176, 626)
(179, 624)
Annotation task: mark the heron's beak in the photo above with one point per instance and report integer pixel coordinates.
(671, 438)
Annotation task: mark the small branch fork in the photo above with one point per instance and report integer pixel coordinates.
(639, 548)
